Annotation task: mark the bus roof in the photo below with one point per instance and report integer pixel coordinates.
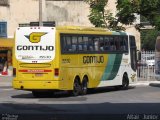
(82, 28)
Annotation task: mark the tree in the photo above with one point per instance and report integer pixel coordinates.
(146, 8)
(149, 11)
(148, 39)
(126, 13)
(100, 17)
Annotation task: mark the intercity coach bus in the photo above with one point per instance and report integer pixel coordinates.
(72, 58)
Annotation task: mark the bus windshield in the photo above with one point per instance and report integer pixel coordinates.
(35, 45)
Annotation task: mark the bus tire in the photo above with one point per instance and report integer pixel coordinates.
(125, 82)
(84, 86)
(76, 87)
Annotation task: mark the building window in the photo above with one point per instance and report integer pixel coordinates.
(4, 2)
(3, 29)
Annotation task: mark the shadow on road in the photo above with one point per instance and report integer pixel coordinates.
(65, 94)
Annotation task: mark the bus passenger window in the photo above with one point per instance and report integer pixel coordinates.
(123, 48)
(107, 44)
(91, 48)
(90, 44)
(112, 47)
(73, 47)
(101, 43)
(96, 45)
(102, 46)
(80, 47)
(69, 48)
(68, 43)
(85, 47)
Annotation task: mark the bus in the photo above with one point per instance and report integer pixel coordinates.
(157, 58)
(72, 58)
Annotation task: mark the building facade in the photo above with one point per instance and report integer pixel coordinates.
(63, 12)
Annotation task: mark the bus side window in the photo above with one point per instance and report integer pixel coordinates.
(91, 48)
(85, 47)
(102, 46)
(85, 43)
(122, 44)
(90, 44)
(112, 44)
(80, 47)
(80, 43)
(68, 46)
(74, 43)
(101, 43)
(116, 43)
(106, 43)
(63, 43)
(74, 47)
(96, 44)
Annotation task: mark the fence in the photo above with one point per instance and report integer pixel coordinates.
(146, 66)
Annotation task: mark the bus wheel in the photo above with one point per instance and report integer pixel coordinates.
(76, 88)
(125, 82)
(84, 86)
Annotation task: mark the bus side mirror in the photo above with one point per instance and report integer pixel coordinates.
(139, 55)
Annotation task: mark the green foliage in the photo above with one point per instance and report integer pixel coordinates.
(148, 39)
(125, 11)
(148, 9)
(97, 12)
(100, 17)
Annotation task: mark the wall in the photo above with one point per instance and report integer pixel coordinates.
(19, 11)
(68, 12)
(63, 12)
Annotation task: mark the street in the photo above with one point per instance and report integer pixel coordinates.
(104, 101)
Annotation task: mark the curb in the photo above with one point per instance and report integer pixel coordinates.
(147, 83)
(154, 84)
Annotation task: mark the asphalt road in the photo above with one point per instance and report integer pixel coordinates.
(101, 104)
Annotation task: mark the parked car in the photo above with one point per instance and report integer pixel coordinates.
(149, 60)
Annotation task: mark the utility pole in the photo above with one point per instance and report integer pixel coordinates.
(40, 13)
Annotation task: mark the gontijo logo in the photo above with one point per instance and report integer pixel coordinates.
(35, 37)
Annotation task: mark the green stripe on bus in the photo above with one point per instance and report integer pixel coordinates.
(112, 67)
(116, 66)
(109, 67)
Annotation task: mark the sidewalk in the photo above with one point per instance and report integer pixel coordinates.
(6, 81)
(147, 83)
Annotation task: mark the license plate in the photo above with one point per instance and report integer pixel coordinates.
(38, 74)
